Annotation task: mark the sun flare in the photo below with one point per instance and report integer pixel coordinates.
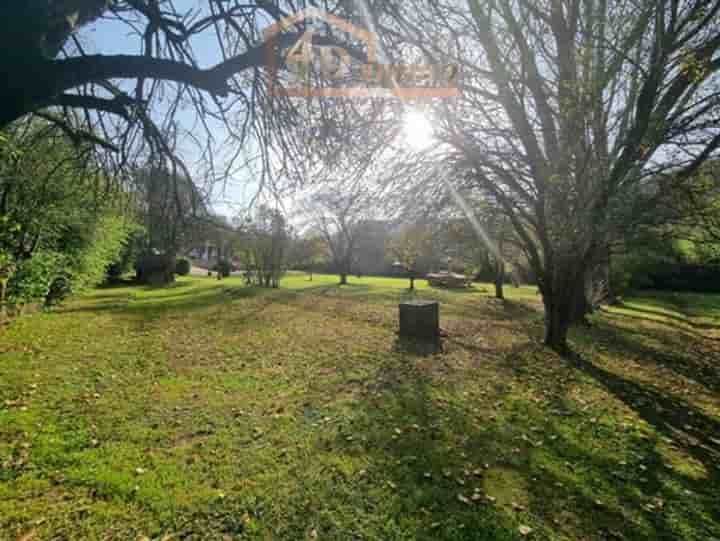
(418, 130)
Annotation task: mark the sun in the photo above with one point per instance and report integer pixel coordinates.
(418, 130)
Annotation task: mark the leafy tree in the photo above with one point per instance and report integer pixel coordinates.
(60, 227)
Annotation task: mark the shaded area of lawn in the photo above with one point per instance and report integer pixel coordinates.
(213, 411)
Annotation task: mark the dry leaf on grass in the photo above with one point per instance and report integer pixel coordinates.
(28, 536)
(525, 530)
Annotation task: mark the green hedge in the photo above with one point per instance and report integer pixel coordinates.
(49, 276)
(33, 278)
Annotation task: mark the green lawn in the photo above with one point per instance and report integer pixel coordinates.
(209, 411)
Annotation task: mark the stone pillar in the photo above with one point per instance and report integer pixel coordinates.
(420, 319)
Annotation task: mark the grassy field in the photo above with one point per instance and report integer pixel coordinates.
(210, 411)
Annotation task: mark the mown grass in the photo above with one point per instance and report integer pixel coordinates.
(211, 411)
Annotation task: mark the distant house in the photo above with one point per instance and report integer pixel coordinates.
(209, 254)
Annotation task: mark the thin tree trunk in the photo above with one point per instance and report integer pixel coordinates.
(343, 279)
(412, 283)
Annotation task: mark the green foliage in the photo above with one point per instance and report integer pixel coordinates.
(34, 277)
(183, 266)
(132, 251)
(49, 276)
(412, 248)
(59, 223)
(89, 266)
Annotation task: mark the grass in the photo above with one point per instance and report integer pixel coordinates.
(211, 411)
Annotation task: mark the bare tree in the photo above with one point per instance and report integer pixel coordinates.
(309, 253)
(191, 77)
(412, 249)
(567, 107)
(338, 216)
(264, 247)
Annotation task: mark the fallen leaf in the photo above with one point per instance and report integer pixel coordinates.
(28, 536)
(525, 530)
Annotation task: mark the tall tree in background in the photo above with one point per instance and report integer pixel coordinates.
(264, 243)
(309, 253)
(173, 207)
(412, 249)
(338, 216)
(567, 106)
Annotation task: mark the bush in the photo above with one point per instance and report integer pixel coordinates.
(156, 269)
(678, 277)
(183, 266)
(34, 277)
(133, 249)
(91, 263)
(225, 268)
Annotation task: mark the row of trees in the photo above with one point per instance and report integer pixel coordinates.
(347, 223)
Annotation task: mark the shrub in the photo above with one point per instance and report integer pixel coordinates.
(156, 270)
(91, 263)
(34, 277)
(183, 266)
(678, 277)
(132, 251)
(225, 268)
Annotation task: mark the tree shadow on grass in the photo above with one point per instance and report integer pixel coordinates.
(414, 444)
(686, 321)
(187, 300)
(673, 417)
(669, 350)
(458, 471)
(416, 347)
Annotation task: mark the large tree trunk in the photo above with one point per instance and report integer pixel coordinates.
(499, 280)
(563, 291)
(582, 305)
(558, 318)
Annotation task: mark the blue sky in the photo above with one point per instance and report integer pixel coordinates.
(109, 36)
